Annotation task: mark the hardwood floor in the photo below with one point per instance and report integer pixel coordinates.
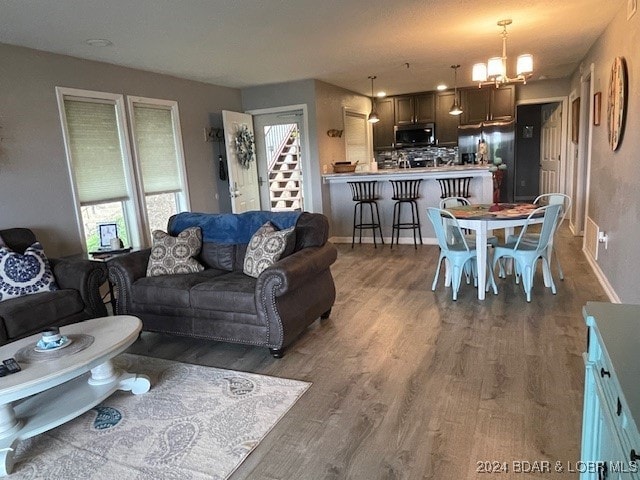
(408, 384)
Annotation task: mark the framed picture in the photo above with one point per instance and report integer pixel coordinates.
(597, 102)
(575, 120)
(107, 231)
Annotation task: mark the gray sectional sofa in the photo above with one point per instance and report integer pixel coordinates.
(221, 302)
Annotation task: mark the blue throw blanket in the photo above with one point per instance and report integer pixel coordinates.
(230, 228)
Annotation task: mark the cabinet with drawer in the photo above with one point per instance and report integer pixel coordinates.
(610, 438)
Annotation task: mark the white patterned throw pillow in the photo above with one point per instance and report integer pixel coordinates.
(25, 274)
(171, 255)
(265, 248)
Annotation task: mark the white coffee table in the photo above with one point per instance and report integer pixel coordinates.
(46, 394)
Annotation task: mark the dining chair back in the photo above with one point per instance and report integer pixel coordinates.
(526, 253)
(454, 248)
(551, 199)
(451, 202)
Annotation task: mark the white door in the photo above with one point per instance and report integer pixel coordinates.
(550, 148)
(243, 182)
(279, 149)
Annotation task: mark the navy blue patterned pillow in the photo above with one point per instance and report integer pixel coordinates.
(25, 274)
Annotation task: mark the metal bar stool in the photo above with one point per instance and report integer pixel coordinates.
(406, 191)
(364, 193)
(454, 187)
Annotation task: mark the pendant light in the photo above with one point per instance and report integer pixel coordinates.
(373, 116)
(456, 109)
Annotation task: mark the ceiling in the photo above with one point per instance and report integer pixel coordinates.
(409, 44)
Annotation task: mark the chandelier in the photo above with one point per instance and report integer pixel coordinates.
(494, 72)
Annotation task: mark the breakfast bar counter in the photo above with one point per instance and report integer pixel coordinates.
(341, 204)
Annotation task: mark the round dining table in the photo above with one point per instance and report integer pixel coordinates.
(484, 218)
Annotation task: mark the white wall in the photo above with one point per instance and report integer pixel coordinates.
(35, 190)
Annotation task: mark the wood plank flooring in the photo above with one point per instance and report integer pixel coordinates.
(408, 384)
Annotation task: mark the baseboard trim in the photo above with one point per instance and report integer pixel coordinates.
(387, 240)
(608, 289)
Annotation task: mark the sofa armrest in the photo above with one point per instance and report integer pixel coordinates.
(123, 271)
(291, 271)
(86, 277)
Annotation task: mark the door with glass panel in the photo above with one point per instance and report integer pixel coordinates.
(279, 143)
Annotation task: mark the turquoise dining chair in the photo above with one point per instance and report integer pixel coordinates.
(454, 248)
(526, 254)
(451, 202)
(549, 199)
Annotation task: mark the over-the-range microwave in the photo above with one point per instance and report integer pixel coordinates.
(417, 135)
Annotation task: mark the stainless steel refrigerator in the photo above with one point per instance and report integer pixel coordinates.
(499, 139)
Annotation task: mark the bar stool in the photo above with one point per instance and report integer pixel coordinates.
(406, 191)
(454, 187)
(364, 192)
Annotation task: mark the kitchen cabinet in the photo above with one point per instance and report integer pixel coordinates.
(446, 125)
(610, 438)
(488, 103)
(383, 137)
(412, 109)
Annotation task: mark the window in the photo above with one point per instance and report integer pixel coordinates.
(356, 137)
(158, 151)
(137, 192)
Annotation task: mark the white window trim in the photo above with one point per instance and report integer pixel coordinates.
(184, 197)
(132, 207)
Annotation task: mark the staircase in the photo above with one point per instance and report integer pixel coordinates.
(285, 174)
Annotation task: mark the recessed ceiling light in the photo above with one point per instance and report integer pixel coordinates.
(381, 94)
(98, 42)
(441, 87)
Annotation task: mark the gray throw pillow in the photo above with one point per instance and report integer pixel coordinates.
(175, 255)
(266, 247)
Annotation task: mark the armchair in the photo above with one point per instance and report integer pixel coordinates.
(77, 299)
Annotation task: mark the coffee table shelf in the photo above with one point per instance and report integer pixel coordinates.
(47, 394)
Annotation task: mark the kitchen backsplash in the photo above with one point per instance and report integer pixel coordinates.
(424, 156)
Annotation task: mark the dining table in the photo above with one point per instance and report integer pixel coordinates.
(483, 219)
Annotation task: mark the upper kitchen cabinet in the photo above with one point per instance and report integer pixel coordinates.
(383, 130)
(484, 104)
(446, 125)
(410, 109)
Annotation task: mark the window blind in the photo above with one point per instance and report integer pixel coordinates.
(355, 130)
(156, 148)
(96, 153)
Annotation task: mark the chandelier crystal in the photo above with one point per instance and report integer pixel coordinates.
(494, 72)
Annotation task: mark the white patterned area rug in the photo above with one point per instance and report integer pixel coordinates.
(195, 423)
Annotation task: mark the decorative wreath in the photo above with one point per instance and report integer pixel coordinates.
(245, 146)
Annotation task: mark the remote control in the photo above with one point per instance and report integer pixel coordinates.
(11, 365)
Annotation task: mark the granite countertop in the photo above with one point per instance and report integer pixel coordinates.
(410, 171)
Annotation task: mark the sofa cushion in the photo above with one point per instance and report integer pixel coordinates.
(35, 312)
(25, 274)
(216, 255)
(266, 247)
(175, 255)
(170, 290)
(232, 292)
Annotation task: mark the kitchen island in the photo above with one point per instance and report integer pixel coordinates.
(341, 204)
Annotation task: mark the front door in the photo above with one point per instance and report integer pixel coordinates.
(243, 179)
(550, 147)
(279, 151)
